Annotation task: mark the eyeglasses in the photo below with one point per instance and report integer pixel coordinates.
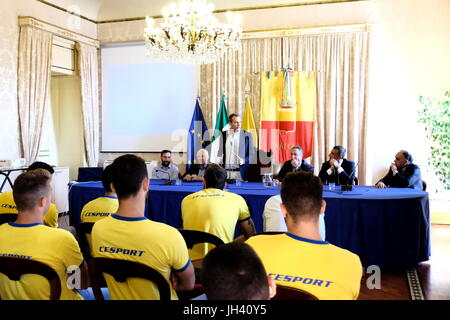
(398, 159)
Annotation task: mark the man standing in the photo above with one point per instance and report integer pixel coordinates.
(196, 171)
(129, 235)
(295, 164)
(403, 173)
(236, 150)
(300, 258)
(166, 170)
(215, 211)
(338, 170)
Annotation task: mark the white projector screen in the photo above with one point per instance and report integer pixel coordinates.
(147, 106)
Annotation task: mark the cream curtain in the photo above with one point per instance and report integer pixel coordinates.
(88, 64)
(341, 62)
(35, 52)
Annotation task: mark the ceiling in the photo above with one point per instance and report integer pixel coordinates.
(104, 10)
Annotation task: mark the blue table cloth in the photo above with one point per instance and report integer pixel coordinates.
(385, 227)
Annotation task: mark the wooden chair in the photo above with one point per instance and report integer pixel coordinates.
(120, 270)
(14, 268)
(82, 230)
(289, 293)
(7, 217)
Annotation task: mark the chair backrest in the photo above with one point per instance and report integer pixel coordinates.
(14, 268)
(289, 293)
(83, 229)
(355, 181)
(424, 186)
(193, 237)
(7, 217)
(120, 270)
(268, 233)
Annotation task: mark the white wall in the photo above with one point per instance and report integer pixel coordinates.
(68, 122)
(410, 57)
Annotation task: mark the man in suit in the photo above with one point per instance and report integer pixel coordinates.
(338, 170)
(236, 149)
(402, 173)
(196, 171)
(295, 164)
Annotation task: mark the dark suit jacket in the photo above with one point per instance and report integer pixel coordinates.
(287, 167)
(193, 169)
(246, 151)
(408, 177)
(346, 177)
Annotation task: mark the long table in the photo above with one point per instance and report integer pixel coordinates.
(385, 227)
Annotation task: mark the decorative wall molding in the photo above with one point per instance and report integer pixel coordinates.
(64, 33)
(278, 33)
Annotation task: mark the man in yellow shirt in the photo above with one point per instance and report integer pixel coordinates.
(103, 206)
(215, 211)
(129, 235)
(300, 258)
(28, 238)
(8, 206)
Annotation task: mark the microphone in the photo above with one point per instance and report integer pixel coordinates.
(168, 174)
(349, 187)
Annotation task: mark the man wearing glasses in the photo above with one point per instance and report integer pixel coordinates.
(402, 173)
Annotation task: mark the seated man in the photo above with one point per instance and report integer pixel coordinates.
(166, 170)
(196, 171)
(235, 272)
(273, 219)
(403, 173)
(338, 170)
(129, 235)
(295, 164)
(300, 258)
(101, 207)
(28, 238)
(7, 204)
(215, 211)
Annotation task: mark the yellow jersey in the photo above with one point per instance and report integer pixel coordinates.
(155, 244)
(7, 205)
(214, 211)
(318, 267)
(55, 247)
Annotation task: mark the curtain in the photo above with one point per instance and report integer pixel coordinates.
(88, 64)
(341, 63)
(35, 52)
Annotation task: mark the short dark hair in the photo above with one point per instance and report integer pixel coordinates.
(407, 155)
(231, 116)
(301, 194)
(215, 176)
(41, 165)
(341, 150)
(165, 151)
(298, 148)
(29, 187)
(107, 178)
(128, 172)
(234, 272)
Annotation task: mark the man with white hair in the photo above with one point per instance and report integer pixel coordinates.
(196, 171)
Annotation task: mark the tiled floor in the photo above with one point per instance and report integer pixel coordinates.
(434, 274)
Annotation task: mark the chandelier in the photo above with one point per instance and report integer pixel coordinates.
(191, 34)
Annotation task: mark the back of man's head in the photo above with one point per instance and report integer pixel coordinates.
(107, 178)
(29, 187)
(301, 194)
(41, 165)
(128, 172)
(234, 272)
(215, 177)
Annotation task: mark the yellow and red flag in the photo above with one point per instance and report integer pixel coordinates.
(287, 112)
(248, 123)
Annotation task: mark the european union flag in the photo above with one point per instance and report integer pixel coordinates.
(198, 134)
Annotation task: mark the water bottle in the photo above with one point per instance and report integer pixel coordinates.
(267, 180)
